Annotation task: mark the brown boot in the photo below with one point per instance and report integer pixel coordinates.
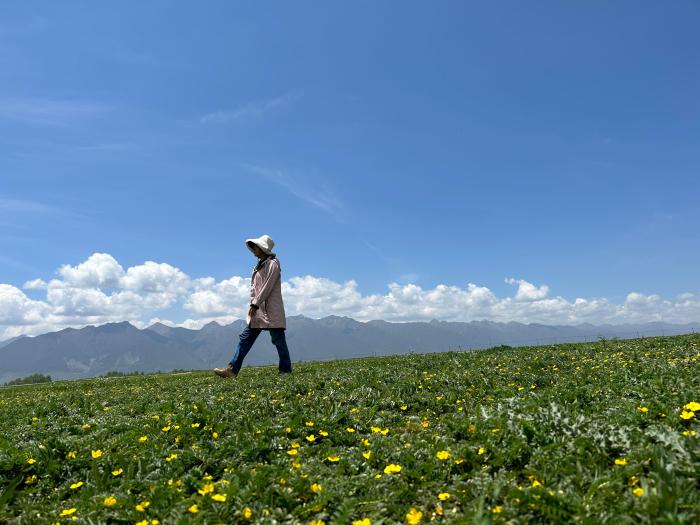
(225, 372)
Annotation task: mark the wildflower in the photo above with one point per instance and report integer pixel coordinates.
(687, 414)
(96, 454)
(350, 429)
(692, 406)
(363, 521)
(471, 429)
(215, 435)
(206, 489)
(85, 426)
(31, 461)
(292, 452)
(218, 497)
(392, 469)
(403, 407)
(459, 461)
(288, 430)
(639, 492)
(621, 461)
(413, 516)
(333, 458)
(117, 472)
(171, 457)
(76, 485)
(68, 512)
(194, 509)
(296, 465)
(141, 507)
(247, 513)
(365, 442)
(443, 454)
(375, 430)
(643, 410)
(309, 423)
(536, 483)
(384, 431)
(317, 522)
(323, 433)
(166, 429)
(689, 432)
(195, 425)
(311, 438)
(425, 423)
(143, 439)
(481, 450)
(295, 444)
(30, 479)
(367, 454)
(72, 454)
(438, 510)
(497, 509)
(316, 488)
(444, 496)
(109, 501)
(632, 481)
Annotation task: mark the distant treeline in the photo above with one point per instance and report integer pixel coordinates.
(29, 380)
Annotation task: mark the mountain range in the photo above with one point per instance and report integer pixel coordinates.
(95, 350)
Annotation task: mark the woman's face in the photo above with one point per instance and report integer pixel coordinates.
(257, 251)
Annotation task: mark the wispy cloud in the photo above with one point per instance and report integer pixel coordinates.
(14, 206)
(253, 109)
(319, 194)
(50, 111)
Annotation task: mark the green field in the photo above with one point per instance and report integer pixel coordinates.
(583, 433)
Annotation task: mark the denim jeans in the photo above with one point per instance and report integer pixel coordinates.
(248, 337)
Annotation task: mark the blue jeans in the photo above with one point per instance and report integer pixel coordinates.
(248, 337)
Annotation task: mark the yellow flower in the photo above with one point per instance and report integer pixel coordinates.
(438, 510)
(443, 454)
(311, 438)
(687, 414)
(376, 430)
(117, 472)
(367, 454)
(384, 431)
(459, 461)
(309, 423)
(481, 450)
(365, 442)
(295, 444)
(317, 522)
(288, 430)
(471, 429)
(333, 458)
(350, 429)
(247, 513)
(215, 435)
(31, 461)
(141, 507)
(363, 521)
(85, 426)
(96, 453)
(193, 509)
(171, 457)
(392, 469)
(206, 489)
(639, 492)
(195, 425)
(109, 501)
(142, 522)
(413, 516)
(72, 454)
(76, 485)
(218, 497)
(166, 429)
(143, 439)
(621, 461)
(536, 483)
(689, 432)
(693, 406)
(292, 452)
(296, 465)
(323, 433)
(316, 488)
(444, 496)
(68, 512)
(30, 479)
(497, 509)
(643, 410)
(403, 407)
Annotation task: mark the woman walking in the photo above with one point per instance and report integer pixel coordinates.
(266, 311)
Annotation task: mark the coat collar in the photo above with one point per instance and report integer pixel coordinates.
(262, 261)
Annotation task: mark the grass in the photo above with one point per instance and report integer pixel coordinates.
(575, 433)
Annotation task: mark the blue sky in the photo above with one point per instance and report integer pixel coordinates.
(400, 142)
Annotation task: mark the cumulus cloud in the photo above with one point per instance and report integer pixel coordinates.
(99, 290)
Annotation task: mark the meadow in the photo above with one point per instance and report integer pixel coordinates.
(603, 432)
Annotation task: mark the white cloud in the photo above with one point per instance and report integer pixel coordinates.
(99, 290)
(250, 110)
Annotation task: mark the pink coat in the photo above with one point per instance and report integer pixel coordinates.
(266, 293)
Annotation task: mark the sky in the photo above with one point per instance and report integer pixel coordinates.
(509, 161)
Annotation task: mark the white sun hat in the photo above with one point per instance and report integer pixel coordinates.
(264, 242)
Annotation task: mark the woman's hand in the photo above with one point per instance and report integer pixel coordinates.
(251, 311)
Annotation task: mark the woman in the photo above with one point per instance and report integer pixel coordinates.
(266, 311)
